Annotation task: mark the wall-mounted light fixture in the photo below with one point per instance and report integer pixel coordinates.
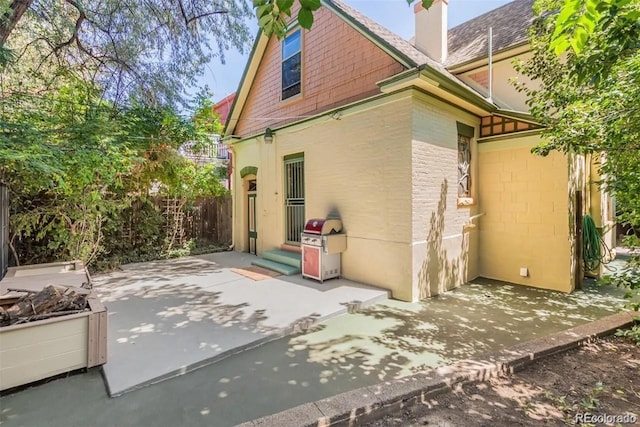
(268, 136)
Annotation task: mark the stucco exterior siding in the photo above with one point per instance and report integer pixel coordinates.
(444, 249)
(339, 66)
(526, 223)
(357, 166)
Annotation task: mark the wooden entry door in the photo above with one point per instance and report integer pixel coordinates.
(251, 223)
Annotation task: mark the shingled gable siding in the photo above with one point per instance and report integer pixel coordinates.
(339, 66)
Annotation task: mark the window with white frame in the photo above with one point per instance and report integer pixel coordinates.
(291, 64)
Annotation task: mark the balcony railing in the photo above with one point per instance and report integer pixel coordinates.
(205, 154)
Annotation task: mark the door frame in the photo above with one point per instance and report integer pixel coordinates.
(294, 207)
(252, 225)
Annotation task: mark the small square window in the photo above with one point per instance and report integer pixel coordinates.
(291, 64)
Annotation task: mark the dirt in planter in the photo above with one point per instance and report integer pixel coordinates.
(600, 379)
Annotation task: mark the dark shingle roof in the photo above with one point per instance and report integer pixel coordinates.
(469, 40)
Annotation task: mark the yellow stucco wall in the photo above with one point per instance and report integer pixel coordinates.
(444, 249)
(358, 165)
(389, 169)
(525, 202)
(382, 167)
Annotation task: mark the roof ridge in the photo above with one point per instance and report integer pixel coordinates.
(485, 14)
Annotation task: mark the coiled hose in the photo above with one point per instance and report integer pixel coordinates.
(595, 251)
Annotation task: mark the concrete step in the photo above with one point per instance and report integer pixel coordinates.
(293, 259)
(291, 248)
(285, 269)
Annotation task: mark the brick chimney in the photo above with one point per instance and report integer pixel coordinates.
(431, 29)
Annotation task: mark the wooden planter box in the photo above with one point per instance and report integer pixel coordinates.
(37, 350)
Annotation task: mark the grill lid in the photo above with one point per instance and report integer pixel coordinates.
(323, 226)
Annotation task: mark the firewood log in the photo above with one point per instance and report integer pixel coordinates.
(50, 299)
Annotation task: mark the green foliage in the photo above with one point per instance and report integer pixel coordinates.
(88, 120)
(273, 15)
(61, 166)
(74, 164)
(191, 181)
(629, 278)
(578, 20)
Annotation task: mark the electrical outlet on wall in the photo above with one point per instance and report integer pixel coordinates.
(524, 271)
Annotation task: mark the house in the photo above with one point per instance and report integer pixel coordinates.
(430, 172)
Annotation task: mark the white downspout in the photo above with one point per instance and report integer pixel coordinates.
(234, 189)
(490, 99)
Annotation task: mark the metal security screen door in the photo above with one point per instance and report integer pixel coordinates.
(294, 198)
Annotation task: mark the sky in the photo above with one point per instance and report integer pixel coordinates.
(396, 15)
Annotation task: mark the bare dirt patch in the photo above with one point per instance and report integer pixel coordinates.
(602, 378)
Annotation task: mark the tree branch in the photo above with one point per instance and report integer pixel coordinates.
(9, 21)
(74, 36)
(188, 21)
(204, 15)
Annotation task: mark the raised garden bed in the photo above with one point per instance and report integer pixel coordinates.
(38, 349)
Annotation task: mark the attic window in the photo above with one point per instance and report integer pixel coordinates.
(291, 64)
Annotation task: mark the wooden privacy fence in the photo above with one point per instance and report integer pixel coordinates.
(209, 220)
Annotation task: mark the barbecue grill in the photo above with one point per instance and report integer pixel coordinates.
(322, 243)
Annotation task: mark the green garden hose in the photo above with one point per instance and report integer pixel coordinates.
(594, 250)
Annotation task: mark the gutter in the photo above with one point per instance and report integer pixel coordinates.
(458, 88)
(448, 84)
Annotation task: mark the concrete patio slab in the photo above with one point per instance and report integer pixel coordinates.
(379, 344)
(366, 404)
(171, 317)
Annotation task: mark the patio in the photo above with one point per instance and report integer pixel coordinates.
(167, 318)
(384, 341)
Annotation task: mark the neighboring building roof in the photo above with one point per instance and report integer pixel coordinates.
(469, 40)
(223, 107)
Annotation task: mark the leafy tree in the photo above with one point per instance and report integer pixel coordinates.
(74, 161)
(61, 163)
(150, 48)
(577, 20)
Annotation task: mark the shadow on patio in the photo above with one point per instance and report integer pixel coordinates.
(394, 339)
